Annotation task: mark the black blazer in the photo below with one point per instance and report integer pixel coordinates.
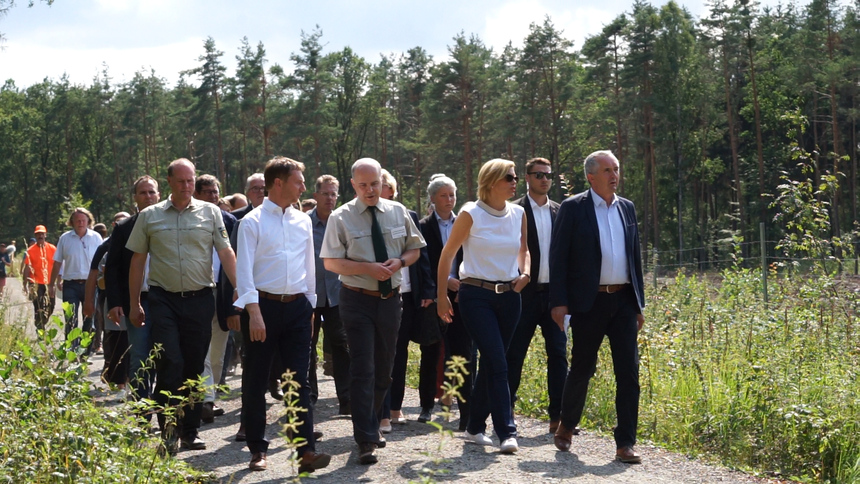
(241, 212)
(575, 255)
(421, 275)
(224, 290)
(534, 243)
(429, 227)
(117, 265)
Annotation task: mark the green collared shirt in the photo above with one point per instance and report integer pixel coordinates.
(179, 243)
(347, 236)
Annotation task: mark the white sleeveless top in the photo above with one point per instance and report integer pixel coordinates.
(490, 251)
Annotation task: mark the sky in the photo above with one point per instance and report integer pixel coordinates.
(79, 38)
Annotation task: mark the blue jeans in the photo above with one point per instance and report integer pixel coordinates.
(140, 344)
(491, 319)
(536, 312)
(74, 293)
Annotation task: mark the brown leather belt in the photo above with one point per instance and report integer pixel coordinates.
(610, 288)
(284, 298)
(497, 287)
(372, 293)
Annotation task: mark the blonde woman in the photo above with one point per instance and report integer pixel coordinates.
(494, 270)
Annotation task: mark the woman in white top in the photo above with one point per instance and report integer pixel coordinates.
(495, 268)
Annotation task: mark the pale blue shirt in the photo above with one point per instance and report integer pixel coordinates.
(613, 261)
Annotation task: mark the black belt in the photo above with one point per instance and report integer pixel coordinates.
(76, 281)
(284, 298)
(610, 288)
(372, 293)
(185, 294)
(541, 287)
(498, 287)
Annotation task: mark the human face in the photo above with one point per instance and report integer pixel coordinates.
(604, 181)
(256, 192)
(181, 184)
(146, 194)
(386, 192)
(80, 223)
(326, 198)
(504, 189)
(444, 200)
(41, 237)
(367, 183)
(293, 187)
(208, 193)
(540, 186)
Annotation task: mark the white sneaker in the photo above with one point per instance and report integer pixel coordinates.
(478, 438)
(509, 446)
(120, 396)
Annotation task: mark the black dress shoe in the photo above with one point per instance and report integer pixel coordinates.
(217, 411)
(425, 416)
(192, 443)
(240, 434)
(382, 442)
(276, 391)
(367, 453)
(317, 435)
(208, 413)
(344, 409)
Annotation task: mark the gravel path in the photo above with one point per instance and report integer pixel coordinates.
(415, 448)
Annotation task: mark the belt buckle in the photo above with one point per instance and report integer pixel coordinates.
(500, 287)
(383, 296)
(282, 297)
(609, 289)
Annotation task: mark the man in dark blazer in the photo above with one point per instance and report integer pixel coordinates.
(540, 214)
(596, 278)
(117, 265)
(255, 190)
(456, 339)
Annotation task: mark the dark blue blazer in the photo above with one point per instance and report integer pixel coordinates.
(224, 290)
(575, 255)
(420, 274)
(429, 227)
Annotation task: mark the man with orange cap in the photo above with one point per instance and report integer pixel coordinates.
(40, 260)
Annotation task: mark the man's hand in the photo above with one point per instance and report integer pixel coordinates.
(426, 302)
(640, 318)
(233, 323)
(558, 313)
(52, 291)
(380, 271)
(115, 314)
(393, 265)
(453, 284)
(257, 326)
(137, 316)
(89, 308)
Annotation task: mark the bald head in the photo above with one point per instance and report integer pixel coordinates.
(366, 180)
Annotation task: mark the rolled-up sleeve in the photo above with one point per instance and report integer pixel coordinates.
(247, 291)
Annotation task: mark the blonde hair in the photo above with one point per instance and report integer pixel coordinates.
(90, 220)
(388, 179)
(491, 172)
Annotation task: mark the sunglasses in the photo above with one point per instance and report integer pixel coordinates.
(540, 175)
(511, 178)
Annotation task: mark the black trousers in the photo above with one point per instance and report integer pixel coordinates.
(429, 359)
(614, 316)
(183, 327)
(458, 342)
(328, 318)
(116, 357)
(288, 332)
(371, 325)
(43, 306)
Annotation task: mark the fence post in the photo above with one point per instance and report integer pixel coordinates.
(763, 262)
(654, 272)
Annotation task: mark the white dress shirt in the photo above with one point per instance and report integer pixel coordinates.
(613, 262)
(445, 227)
(543, 224)
(76, 253)
(276, 254)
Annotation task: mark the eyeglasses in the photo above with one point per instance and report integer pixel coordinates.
(256, 189)
(210, 192)
(511, 178)
(540, 175)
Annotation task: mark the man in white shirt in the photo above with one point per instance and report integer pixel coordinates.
(75, 251)
(276, 285)
(540, 214)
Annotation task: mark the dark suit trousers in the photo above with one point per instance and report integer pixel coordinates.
(536, 312)
(412, 316)
(458, 342)
(288, 333)
(613, 316)
(371, 325)
(183, 327)
(335, 336)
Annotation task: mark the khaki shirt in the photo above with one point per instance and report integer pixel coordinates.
(347, 236)
(180, 243)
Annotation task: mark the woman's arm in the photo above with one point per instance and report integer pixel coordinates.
(459, 233)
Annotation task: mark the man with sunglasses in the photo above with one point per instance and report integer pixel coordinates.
(540, 215)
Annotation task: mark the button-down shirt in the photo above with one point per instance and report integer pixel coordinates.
(543, 224)
(180, 243)
(347, 236)
(613, 261)
(328, 284)
(76, 253)
(276, 254)
(445, 227)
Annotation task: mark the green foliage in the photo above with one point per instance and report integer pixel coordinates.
(51, 430)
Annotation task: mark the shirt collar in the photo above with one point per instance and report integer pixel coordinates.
(362, 207)
(168, 203)
(274, 208)
(535, 205)
(599, 201)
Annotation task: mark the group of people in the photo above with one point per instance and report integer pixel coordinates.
(184, 273)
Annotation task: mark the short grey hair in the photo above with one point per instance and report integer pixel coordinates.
(438, 181)
(366, 161)
(255, 176)
(590, 163)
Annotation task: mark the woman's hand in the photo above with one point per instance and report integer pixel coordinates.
(521, 282)
(444, 309)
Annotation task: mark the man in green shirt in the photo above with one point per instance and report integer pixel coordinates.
(179, 235)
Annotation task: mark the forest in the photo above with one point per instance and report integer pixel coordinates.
(712, 119)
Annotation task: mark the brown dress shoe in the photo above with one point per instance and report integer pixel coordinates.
(553, 426)
(627, 456)
(258, 461)
(562, 438)
(312, 461)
